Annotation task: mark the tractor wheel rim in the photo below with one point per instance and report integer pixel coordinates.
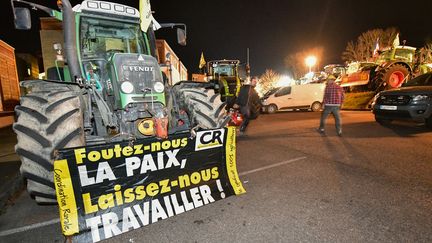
(396, 79)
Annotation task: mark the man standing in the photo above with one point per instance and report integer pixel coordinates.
(249, 103)
(333, 98)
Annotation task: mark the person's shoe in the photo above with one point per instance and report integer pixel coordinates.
(320, 130)
(339, 133)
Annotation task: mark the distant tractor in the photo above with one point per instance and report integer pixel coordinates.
(392, 68)
(335, 69)
(225, 74)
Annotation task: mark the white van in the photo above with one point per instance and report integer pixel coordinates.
(305, 96)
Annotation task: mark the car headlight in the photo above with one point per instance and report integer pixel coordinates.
(419, 97)
(127, 87)
(159, 87)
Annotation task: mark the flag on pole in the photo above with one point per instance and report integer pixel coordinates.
(202, 62)
(375, 52)
(145, 14)
(396, 41)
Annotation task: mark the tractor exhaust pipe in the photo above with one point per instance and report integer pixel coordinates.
(70, 41)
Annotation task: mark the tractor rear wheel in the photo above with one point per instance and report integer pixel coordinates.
(49, 118)
(204, 107)
(392, 77)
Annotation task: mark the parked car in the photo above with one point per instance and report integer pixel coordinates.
(306, 96)
(413, 101)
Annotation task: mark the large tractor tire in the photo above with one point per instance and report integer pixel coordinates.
(49, 118)
(392, 77)
(204, 107)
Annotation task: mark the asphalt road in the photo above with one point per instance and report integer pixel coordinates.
(374, 184)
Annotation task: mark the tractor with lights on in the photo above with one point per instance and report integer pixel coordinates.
(109, 89)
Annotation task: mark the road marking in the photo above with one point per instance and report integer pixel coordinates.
(29, 227)
(54, 221)
(271, 166)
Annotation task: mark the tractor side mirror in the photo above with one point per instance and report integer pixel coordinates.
(22, 18)
(181, 36)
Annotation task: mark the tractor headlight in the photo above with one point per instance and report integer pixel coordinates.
(419, 97)
(127, 87)
(159, 87)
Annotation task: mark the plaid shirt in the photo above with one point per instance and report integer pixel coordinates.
(333, 94)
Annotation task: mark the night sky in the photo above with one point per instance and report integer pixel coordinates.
(272, 29)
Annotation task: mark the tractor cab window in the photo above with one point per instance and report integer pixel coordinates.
(223, 70)
(406, 55)
(353, 67)
(385, 56)
(100, 38)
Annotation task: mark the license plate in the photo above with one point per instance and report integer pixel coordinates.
(388, 107)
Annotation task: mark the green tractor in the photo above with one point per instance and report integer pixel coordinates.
(226, 76)
(110, 89)
(392, 68)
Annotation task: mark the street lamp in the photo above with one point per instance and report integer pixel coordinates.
(310, 62)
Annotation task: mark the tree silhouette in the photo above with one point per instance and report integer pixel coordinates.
(363, 48)
(268, 80)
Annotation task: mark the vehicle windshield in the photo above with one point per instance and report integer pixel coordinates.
(385, 56)
(353, 67)
(406, 55)
(270, 92)
(223, 70)
(422, 80)
(100, 38)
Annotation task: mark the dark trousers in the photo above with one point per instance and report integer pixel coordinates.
(244, 124)
(245, 111)
(336, 114)
(230, 100)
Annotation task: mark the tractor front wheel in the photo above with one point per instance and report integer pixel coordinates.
(49, 118)
(204, 107)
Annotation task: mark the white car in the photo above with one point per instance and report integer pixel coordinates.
(305, 96)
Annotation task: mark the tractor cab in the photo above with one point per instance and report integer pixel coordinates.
(222, 68)
(225, 75)
(115, 58)
(400, 53)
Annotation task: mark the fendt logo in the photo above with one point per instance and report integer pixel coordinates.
(138, 68)
(209, 139)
